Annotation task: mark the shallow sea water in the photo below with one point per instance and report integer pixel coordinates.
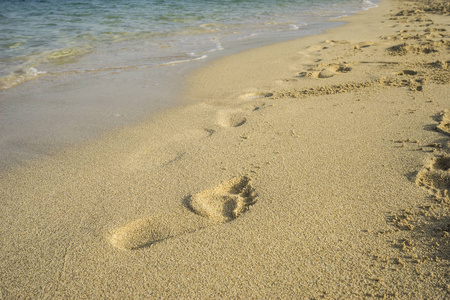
(74, 70)
(52, 37)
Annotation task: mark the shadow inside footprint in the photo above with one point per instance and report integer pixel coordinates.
(436, 175)
(231, 118)
(222, 203)
(442, 163)
(236, 121)
(444, 125)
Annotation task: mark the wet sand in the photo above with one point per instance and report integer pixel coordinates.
(315, 168)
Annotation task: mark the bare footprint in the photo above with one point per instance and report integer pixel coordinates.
(326, 71)
(253, 96)
(235, 117)
(316, 48)
(289, 80)
(143, 157)
(358, 46)
(436, 176)
(333, 69)
(444, 126)
(231, 118)
(222, 203)
(408, 72)
(333, 42)
(423, 47)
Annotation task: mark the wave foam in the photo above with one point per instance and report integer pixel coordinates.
(19, 76)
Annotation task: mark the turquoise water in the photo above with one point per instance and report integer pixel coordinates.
(42, 37)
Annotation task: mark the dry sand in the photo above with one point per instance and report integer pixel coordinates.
(316, 168)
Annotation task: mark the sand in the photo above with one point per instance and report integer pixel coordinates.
(315, 168)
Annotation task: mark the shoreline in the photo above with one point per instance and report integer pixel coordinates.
(61, 111)
(175, 38)
(313, 168)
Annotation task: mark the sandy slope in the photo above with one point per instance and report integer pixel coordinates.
(315, 168)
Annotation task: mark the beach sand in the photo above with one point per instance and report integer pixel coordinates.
(314, 168)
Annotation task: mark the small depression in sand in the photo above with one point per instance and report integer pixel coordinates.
(444, 126)
(231, 118)
(251, 96)
(436, 175)
(442, 163)
(326, 71)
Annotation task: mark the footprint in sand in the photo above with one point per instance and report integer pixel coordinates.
(333, 69)
(435, 176)
(231, 118)
(408, 72)
(327, 71)
(235, 117)
(224, 202)
(423, 47)
(286, 81)
(334, 42)
(220, 204)
(144, 155)
(444, 126)
(253, 96)
(361, 45)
